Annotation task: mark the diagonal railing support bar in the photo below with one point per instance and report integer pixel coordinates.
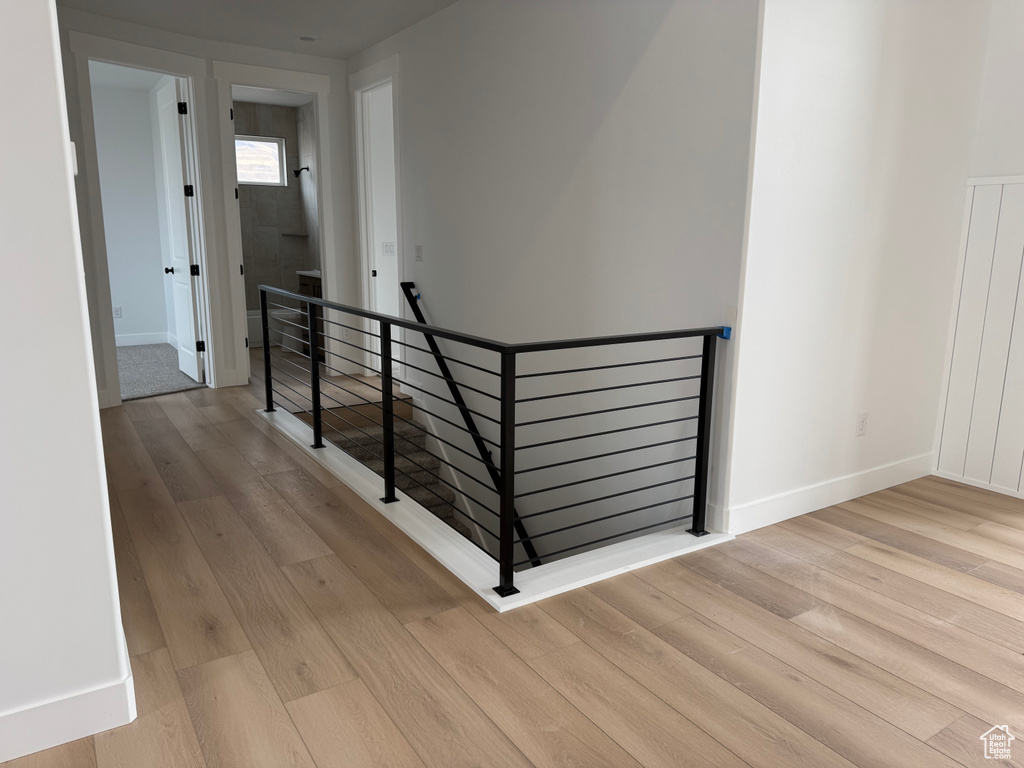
(485, 455)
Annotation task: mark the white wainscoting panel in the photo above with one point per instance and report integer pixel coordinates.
(983, 422)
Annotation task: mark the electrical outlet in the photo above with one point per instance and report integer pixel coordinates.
(419, 253)
(862, 423)
(346, 334)
(117, 313)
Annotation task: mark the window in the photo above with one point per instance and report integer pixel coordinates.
(260, 160)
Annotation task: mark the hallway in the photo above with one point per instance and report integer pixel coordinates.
(274, 619)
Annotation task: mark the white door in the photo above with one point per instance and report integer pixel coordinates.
(179, 246)
(380, 205)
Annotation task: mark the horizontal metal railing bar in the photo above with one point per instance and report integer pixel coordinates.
(347, 359)
(350, 327)
(446, 357)
(606, 367)
(605, 498)
(288, 399)
(405, 456)
(302, 409)
(413, 479)
(497, 346)
(606, 389)
(297, 394)
(442, 480)
(303, 368)
(349, 343)
(294, 338)
(446, 400)
(333, 428)
(272, 319)
(604, 341)
(285, 306)
(605, 477)
(605, 432)
(290, 351)
(602, 519)
(632, 449)
(399, 322)
(330, 380)
(606, 410)
(325, 422)
(422, 485)
(460, 471)
(426, 431)
(449, 378)
(452, 423)
(609, 538)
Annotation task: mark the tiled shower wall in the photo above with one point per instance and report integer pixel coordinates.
(275, 239)
(308, 182)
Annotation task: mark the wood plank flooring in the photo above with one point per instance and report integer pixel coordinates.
(274, 619)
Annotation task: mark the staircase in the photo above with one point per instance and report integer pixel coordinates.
(353, 424)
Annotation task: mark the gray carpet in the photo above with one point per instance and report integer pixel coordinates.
(151, 369)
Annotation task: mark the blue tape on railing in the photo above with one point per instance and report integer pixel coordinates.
(726, 333)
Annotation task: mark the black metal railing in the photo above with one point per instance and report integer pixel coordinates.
(543, 449)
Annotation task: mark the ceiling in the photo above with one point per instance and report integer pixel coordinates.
(345, 27)
(105, 75)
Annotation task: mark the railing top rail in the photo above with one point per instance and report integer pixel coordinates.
(476, 341)
(499, 346)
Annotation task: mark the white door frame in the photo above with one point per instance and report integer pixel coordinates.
(228, 74)
(359, 84)
(192, 72)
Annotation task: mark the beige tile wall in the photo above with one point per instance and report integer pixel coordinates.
(275, 238)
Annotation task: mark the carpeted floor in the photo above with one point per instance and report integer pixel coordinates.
(151, 369)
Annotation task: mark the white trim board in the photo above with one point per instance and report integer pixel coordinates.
(775, 509)
(59, 721)
(981, 181)
(472, 566)
(227, 74)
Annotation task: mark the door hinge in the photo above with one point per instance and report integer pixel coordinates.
(236, 193)
(200, 346)
(241, 269)
(232, 114)
(193, 270)
(182, 108)
(189, 191)
(246, 342)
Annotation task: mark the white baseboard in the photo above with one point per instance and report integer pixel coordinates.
(137, 339)
(51, 723)
(467, 562)
(775, 509)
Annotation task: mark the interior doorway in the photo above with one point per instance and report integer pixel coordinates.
(150, 223)
(277, 175)
(381, 252)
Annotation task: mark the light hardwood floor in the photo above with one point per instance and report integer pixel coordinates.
(276, 620)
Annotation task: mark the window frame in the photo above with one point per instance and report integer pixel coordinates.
(281, 156)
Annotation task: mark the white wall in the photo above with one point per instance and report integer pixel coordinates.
(575, 168)
(862, 152)
(61, 635)
(998, 142)
(127, 169)
(228, 310)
